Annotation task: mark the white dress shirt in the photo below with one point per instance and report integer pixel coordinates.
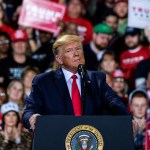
(69, 80)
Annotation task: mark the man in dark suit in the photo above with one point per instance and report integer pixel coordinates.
(59, 93)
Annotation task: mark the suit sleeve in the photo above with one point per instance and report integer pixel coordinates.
(110, 99)
(33, 103)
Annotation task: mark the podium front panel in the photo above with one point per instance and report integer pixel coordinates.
(51, 131)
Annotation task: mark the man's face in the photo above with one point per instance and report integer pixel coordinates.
(70, 56)
(19, 47)
(101, 40)
(132, 41)
(4, 44)
(112, 22)
(121, 9)
(74, 8)
(139, 107)
(45, 36)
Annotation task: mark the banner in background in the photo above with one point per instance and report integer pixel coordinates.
(42, 15)
(139, 13)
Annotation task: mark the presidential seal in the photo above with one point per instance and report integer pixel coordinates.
(84, 137)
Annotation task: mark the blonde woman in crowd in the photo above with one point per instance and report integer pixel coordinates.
(15, 93)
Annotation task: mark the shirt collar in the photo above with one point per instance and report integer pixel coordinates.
(69, 74)
(135, 49)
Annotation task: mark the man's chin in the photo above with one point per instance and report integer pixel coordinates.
(76, 66)
(100, 47)
(133, 46)
(140, 116)
(80, 62)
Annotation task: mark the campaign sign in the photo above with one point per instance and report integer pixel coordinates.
(42, 15)
(139, 14)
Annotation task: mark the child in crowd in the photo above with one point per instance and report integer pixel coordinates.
(138, 103)
(120, 86)
(108, 64)
(27, 76)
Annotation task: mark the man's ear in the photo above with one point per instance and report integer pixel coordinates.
(130, 108)
(94, 36)
(59, 59)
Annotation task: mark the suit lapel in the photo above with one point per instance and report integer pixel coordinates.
(61, 85)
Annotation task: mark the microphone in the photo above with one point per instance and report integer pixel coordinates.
(81, 71)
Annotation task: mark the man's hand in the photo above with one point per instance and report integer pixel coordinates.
(32, 121)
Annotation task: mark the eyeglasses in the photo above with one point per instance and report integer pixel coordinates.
(4, 41)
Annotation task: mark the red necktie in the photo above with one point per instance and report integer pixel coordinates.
(76, 99)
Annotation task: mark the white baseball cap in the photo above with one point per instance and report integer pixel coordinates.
(138, 90)
(9, 107)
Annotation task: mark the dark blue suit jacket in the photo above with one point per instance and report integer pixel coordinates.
(50, 96)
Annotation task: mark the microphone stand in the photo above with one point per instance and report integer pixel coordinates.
(84, 97)
(84, 88)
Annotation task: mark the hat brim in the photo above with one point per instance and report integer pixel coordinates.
(17, 40)
(135, 92)
(10, 111)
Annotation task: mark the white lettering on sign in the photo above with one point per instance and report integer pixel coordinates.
(57, 15)
(42, 13)
(49, 15)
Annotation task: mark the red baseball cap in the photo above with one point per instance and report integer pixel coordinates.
(118, 1)
(118, 74)
(19, 35)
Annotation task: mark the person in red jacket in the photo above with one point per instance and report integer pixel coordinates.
(74, 14)
(133, 55)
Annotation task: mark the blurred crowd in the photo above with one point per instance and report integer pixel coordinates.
(110, 46)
